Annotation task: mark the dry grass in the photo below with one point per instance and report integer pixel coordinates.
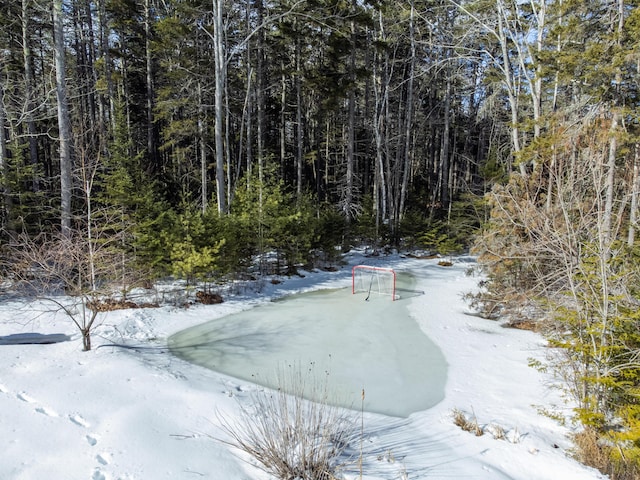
(593, 452)
(497, 431)
(467, 424)
(290, 437)
(589, 451)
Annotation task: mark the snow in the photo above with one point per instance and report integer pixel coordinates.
(121, 414)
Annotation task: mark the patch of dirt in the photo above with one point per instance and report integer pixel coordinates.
(523, 325)
(209, 298)
(111, 304)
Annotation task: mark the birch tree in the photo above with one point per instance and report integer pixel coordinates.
(220, 63)
(517, 30)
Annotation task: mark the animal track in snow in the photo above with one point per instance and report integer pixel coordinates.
(78, 420)
(104, 458)
(47, 411)
(99, 475)
(25, 398)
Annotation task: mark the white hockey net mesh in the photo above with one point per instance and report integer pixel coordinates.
(374, 280)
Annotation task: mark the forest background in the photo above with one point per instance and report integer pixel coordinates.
(141, 139)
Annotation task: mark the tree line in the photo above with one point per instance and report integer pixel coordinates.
(363, 110)
(189, 138)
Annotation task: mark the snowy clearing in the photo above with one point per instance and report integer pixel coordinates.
(119, 414)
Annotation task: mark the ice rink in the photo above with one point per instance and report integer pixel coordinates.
(373, 345)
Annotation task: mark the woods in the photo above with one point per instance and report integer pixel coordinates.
(194, 138)
(349, 104)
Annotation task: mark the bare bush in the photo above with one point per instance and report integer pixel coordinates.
(293, 432)
(71, 272)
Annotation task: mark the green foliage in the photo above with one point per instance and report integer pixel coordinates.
(193, 263)
(445, 236)
(192, 254)
(467, 214)
(154, 239)
(279, 221)
(26, 206)
(234, 238)
(369, 226)
(493, 170)
(129, 206)
(601, 337)
(329, 233)
(438, 240)
(628, 438)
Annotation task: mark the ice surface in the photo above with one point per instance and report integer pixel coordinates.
(373, 345)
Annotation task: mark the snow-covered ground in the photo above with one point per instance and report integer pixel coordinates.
(114, 413)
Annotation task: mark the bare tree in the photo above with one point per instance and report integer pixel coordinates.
(519, 39)
(68, 270)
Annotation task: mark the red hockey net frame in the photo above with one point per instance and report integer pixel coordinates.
(364, 278)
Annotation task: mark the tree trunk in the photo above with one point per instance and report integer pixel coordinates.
(610, 182)
(348, 195)
(220, 70)
(283, 118)
(408, 117)
(613, 143)
(152, 151)
(249, 96)
(86, 339)
(299, 123)
(227, 143)
(4, 170)
(635, 188)
(202, 143)
(108, 103)
(380, 88)
(64, 120)
(444, 150)
(28, 92)
(509, 83)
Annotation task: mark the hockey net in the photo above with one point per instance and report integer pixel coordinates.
(373, 280)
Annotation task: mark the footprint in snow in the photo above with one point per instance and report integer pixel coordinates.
(47, 411)
(78, 420)
(25, 398)
(99, 475)
(104, 458)
(3, 389)
(92, 440)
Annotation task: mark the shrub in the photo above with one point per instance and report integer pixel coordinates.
(293, 432)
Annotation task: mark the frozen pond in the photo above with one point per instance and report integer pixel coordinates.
(373, 345)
